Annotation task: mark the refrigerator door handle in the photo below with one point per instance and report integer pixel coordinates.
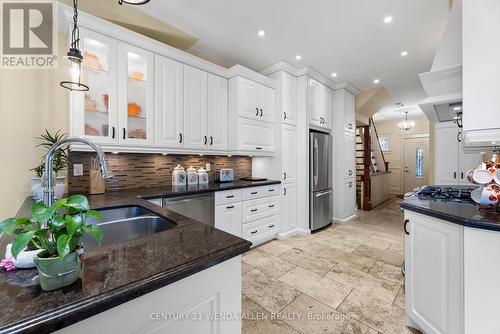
(316, 161)
(323, 193)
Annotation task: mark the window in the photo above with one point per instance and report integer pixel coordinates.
(384, 143)
(419, 168)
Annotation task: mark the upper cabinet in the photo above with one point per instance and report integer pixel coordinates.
(252, 116)
(481, 72)
(195, 108)
(319, 104)
(289, 98)
(217, 112)
(169, 92)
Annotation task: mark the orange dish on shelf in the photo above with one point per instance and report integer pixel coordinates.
(92, 61)
(134, 110)
(137, 134)
(136, 75)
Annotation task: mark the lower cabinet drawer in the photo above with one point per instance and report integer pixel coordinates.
(260, 229)
(260, 208)
(259, 192)
(228, 196)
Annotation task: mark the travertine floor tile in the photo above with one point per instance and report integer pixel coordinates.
(400, 298)
(387, 271)
(327, 291)
(303, 243)
(335, 241)
(267, 263)
(379, 255)
(368, 241)
(245, 267)
(275, 248)
(361, 262)
(257, 320)
(318, 318)
(309, 261)
(269, 293)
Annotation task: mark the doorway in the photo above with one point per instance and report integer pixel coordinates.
(415, 162)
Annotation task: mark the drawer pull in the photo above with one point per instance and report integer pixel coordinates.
(271, 226)
(271, 206)
(230, 196)
(253, 232)
(230, 207)
(254, 210)
(258, 148)
(254, 193)
(271, 190)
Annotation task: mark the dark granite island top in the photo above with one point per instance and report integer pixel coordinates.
(122, 271)
(465, 214)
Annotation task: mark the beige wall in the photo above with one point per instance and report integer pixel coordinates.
(30, 101)
(390, 129)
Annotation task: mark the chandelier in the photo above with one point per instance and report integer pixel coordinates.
(406, 125)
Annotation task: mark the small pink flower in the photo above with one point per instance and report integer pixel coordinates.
(7, 264)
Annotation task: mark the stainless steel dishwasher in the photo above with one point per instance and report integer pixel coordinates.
(198, 207)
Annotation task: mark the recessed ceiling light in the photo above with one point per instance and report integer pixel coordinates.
(376, 81)
(404, 53)
(298, 57)
(388, 19)
(334, 74)
(261, 33)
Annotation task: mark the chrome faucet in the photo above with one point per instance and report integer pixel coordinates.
(48, 193)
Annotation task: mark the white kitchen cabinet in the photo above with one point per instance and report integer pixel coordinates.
(95, 113)
(169, 108)
(228, 218)
(253, 100)
(481, 72)
(255, 136)
(434, 274)
(349, 155)
(217, 113)
(289, 98)
(289, 152)
(195, 108)
(289, 208)
(349, 197)
(319, 104)
(349, 112)
(136, 91)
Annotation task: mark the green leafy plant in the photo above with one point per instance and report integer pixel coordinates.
(61, 157)
(56, 229)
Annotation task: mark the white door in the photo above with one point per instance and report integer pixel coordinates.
(256, 136)
(349, 155)
(314, 103)
(94, 114)
(169, 96)
(136, 85)
(327, 103)
(289, 152)
(228, 218)
(289, 99)
(350, 112)
(434, 274)
(248, 98)
(195, 108)
(267, 106)
(446, 152)
(416, 163)
(217, 112)
(289, 208)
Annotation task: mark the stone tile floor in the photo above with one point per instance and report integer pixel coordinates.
(343, 279)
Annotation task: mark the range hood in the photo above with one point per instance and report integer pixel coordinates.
(443, 83)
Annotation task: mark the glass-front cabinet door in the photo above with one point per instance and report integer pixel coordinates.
(94, 114)
(136, 85)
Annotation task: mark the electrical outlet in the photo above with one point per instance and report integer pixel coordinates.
(207, 167)
(77, 169)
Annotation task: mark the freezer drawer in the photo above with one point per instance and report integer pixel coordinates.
(321, 213)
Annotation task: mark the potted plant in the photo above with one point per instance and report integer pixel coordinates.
(57, 231)
(61, 162)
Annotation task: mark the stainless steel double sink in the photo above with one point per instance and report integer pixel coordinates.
(126, 223)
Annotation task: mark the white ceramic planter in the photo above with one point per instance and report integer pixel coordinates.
(25, 259)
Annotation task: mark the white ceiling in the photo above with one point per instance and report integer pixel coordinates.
(344, 36)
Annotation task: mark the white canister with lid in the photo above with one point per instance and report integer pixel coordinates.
(179, 176)
(192, 176)
(202, 176)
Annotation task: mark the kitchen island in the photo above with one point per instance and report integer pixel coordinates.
(451, 261)
(149, 283)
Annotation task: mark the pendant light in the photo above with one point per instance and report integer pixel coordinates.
(76, 74)
(133, 2)
(406, 125)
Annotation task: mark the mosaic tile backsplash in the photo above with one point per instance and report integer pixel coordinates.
(150, 170)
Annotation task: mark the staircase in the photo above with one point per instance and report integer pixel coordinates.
(370, 161)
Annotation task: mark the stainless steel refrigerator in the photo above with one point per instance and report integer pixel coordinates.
(321, 193)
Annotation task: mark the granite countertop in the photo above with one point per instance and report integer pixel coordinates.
(466, 214)
(120, 272)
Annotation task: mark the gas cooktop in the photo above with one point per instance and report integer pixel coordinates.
(445, 193)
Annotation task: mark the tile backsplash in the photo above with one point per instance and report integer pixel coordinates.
(150, 170)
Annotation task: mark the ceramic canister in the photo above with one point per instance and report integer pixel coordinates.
(179, 176)
(202, 176)
(192, 176)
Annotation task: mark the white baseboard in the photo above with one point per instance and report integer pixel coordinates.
(345, 220)
(297, 231)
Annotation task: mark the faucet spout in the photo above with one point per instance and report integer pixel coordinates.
(48, 198)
